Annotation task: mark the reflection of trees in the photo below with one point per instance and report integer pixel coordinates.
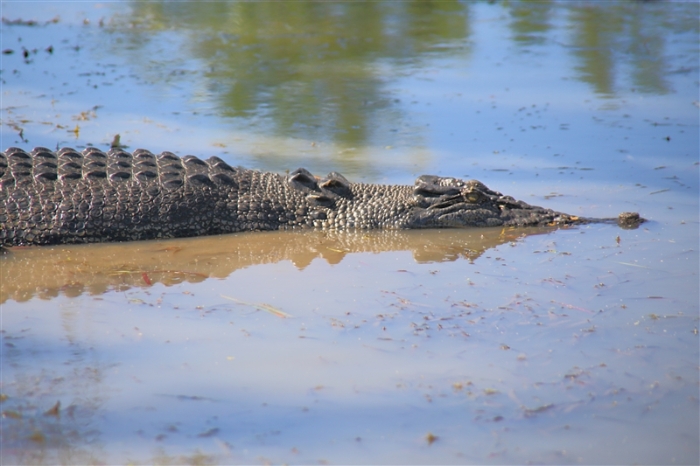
(313, 69)
(530, 21)
(317, 70)
(607, 37)
(594, 38)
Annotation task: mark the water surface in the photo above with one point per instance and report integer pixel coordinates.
(489, 346)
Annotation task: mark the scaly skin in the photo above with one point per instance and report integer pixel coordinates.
(71, 197)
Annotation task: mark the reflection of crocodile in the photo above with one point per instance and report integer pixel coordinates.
(72, 197)
(76, 269)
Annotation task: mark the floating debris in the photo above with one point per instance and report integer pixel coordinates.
(55, 410)
(540, 409)
(261, 306)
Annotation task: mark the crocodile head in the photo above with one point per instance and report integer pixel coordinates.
(452, 202)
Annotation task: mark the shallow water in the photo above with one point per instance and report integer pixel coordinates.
(75, 269)
(564, 346)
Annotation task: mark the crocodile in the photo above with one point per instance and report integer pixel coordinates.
(68, 196)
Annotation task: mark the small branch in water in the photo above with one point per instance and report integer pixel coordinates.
(262, 306)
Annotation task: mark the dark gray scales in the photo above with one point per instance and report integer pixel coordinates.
(90, 196)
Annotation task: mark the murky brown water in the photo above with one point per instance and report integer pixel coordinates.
(571, 346)
(72, 270)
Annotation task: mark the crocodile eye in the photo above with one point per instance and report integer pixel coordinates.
(474, 196)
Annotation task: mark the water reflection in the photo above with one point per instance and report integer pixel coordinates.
(48, 272)
(52, 401)
(531, 21)
(324, 70)
(311, 69)
(605, 35)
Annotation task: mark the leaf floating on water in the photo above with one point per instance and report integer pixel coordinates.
(634, 265)
(571, 306)
(261, 306)
(190, 397)
(170, 249)
(55, 410)
(209, 433)
(539, 409)
(121, 272)
(11, 414)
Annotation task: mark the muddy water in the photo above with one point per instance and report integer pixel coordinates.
(565, 346)
(73, 270)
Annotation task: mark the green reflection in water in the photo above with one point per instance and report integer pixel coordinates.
(531, 21)
(313, 70)
(326, 71)
(607, 37)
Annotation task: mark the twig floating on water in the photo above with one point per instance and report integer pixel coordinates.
(262, 306)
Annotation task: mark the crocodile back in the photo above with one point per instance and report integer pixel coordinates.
(46, 197)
